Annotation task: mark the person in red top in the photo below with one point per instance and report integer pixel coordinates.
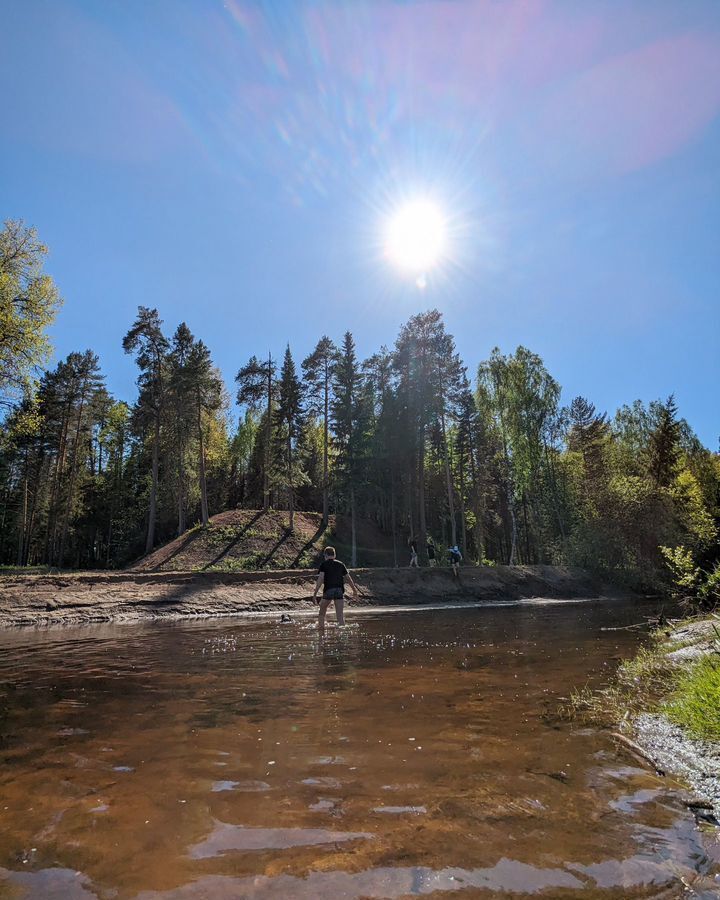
(331, 577)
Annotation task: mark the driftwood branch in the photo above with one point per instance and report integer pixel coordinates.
(637, 750)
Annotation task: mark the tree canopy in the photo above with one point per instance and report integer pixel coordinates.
(410, 438)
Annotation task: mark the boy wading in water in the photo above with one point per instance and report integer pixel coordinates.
(331, 576)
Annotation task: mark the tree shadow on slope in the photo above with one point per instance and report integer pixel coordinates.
(184, 542)
(309, 545)
(235, 541)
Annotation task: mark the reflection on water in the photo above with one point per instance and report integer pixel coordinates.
(406, 755)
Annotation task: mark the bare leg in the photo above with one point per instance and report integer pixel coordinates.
(339, 605)
(321, 614)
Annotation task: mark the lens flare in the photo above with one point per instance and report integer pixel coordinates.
(415, 240)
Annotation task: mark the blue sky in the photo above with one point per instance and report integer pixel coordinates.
(234, 164)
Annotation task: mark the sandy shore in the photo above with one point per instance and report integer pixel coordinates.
(42, 600)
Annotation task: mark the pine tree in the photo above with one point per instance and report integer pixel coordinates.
(205, 386)
(150, 346)
(257, 386)
(180, 396)
(86, 380)
(317, 372)
(428, 373)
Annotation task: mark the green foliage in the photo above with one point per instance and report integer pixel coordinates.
(248, 563)
(709, 590)
(307, 560)
(287, 474)
(402, 441)
(29, 302)
(689, 581)
(685, 574)
(695, 702)
(222, 535)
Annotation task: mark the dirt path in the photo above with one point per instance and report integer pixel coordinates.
(41, 600)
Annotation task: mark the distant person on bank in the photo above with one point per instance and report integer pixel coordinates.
(331, 578)
(413, 555)
(455, 560)
(431, 552)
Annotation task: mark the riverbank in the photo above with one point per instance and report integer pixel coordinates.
(79, 598)
(666, 703)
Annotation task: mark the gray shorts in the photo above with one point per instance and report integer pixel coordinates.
(333, 594)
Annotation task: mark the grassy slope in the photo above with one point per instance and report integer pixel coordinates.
(243, 540)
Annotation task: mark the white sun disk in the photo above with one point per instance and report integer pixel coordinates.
(415, 238)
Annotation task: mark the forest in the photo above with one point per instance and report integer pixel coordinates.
(483, 453)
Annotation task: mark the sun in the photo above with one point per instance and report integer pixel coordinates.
(415, 240)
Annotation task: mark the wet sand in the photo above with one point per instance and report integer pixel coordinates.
(67, 599)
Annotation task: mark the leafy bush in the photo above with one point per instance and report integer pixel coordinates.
(690, 582)
(685, 574)
(709, 590)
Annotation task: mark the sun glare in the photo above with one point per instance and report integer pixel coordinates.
(415, 238)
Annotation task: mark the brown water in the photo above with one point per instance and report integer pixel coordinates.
(409, 754)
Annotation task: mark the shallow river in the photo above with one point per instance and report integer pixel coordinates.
(412, 753)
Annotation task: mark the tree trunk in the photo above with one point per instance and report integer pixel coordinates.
(55, 491)
(39, 478)
(463, 523)
(291, 496)
(268, 437)
(410, 499)
(203, 480)
(448, 483)
(513, 525)
(422, 520)
(479, 509)
(553, 489)
(117, 492)
(181, 490)
(71, 486)
(326, 501)
(23, 520)
(152, 510)
(392, 519)
(353, 530)
(528, 555)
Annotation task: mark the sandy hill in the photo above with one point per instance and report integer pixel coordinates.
(247, 539)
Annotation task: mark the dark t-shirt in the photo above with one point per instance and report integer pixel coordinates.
(334, 572)
(431, 551)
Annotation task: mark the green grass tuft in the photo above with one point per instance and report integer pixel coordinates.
(695, 702)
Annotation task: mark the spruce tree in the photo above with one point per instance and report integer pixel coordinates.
(663, 451)
(289, 416)
(349, 412)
